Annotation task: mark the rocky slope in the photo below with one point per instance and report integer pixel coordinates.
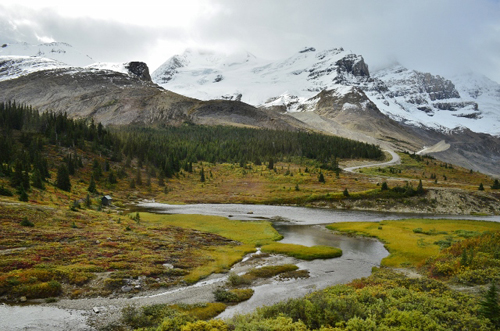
(117, 98)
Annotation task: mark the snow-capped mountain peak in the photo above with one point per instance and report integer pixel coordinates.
(58, 51)
(408, 96)
(242, 76)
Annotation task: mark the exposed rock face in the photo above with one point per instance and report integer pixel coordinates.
(351, 108)
(139, 69)
(353, 64)
(115, 98)
(437, 87)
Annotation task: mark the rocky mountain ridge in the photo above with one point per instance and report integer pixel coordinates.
(117, 98)
(407, 96)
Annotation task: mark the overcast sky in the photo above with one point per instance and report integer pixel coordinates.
(439, 36)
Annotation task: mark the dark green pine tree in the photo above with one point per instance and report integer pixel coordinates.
(26, 181)
(420, 188)
(496, 185)
(92, 186)
(270, 165)
(71, 164)
(96, 170)
(16, 178)
(62, 181)
(481, 187)
(346, 193)
(88, 202)
(112, 178)
(202, 175)
(23, 196)
(490, 307)
(384, 187)
(161, 181)
(321, 178)
(37, 179)
(138, 177)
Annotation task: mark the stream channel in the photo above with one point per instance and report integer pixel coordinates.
(298, 225)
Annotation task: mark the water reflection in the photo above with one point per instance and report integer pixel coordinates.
(301, 215)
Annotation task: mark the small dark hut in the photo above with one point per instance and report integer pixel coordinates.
(106, 200)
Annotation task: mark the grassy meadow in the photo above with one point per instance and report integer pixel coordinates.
(412, 241)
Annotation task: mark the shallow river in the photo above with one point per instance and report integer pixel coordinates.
(299, 215)
(298, 225)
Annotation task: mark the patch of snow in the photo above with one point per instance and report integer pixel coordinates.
(118, 67)
(16, 66)
(58, 51)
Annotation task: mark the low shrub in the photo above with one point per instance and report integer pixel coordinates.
(271, 271)
(39, 290)
(233, 296)
(202, 311)
(113, 283)
(27, 222)
(237, 280)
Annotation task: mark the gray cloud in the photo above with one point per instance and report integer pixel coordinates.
(443, 37)
(104, 41)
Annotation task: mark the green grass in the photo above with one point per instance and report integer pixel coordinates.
(303, 252)
(256, 233)
(410, 248)
(272, 270)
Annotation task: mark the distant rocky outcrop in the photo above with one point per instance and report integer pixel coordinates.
(139, 69)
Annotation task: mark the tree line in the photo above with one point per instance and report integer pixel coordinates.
(173, 148)
(24, 134)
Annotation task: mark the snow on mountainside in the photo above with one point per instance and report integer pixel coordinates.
(423, 99)
(15, 66)
(408, 96)
(58, 51)
(208, 75)
(22, 59)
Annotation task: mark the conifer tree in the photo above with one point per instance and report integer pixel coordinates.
(481, 187)
(270, 165)
(88, 202)
(420, 187)
(490, 307)
(346, 193)
(16, 178)
(161, 181)
(202, 175)
(71, 165)
(23, 196)
(496, 185)
(38, 180)
(138, 177)
(96, 170)
(112, 177)
(92, 187)
(62, 181)
(26, 180)
(321, 178)
(384, 187)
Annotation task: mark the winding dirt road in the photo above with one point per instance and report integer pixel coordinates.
(395, 160)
